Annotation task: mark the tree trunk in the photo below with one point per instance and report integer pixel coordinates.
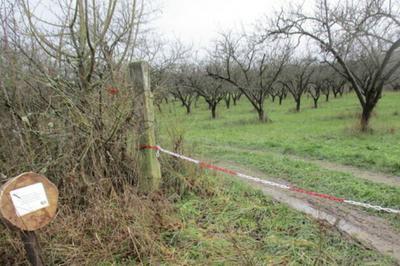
(234, 100)
(341, 91)
(261, 115)
(365, 117)
(298, 102)
(273, 98)
(214, 111)
(315, 103)
(327, 97)
(280, 99)
(188, 109)
(228, 102)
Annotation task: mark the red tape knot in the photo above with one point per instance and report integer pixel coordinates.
(315, 194)
(217, 168)
(149, 147)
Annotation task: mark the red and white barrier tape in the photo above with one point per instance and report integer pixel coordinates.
(266, 182)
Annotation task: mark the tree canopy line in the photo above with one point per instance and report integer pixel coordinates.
(65, 91)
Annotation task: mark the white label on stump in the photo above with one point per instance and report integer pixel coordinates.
(29, 199)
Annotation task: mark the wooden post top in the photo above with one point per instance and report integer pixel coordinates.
(28, 201)
(140, 75)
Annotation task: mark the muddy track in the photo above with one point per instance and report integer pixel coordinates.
(371, 231)
(372, 176)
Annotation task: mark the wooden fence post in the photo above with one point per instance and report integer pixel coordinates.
(32, 248)
(150, 175)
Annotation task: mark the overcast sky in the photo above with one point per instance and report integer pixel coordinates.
(198, 21)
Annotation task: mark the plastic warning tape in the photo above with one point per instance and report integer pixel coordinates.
(267, 182)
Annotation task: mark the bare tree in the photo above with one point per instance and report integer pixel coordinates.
(297, 78)
(252, 67)
(320, 83)
(71, 78)
(337, 85)
(326, 91)
(236, 95)
(232, 93)
(91, 37)
(314, 91)
(164, 56)
(227, 99)
(181, 87)
(210, 89)
(274, 92)
(278, 90)
(352, 34)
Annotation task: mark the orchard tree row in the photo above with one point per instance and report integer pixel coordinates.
(286, 77)
(338, 46)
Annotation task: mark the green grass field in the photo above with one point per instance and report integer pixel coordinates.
(329, 133)
(238, 225)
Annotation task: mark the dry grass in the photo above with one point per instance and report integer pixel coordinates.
(108, 221)
(106, 226)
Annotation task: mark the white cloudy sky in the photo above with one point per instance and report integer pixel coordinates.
(198, 21)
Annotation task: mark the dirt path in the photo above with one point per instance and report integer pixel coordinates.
(355, 171)
(371, 231)
(372, 176)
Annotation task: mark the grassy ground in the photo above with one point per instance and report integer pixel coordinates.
(208, 221)
(326, 133)
(241, 226)
(329, 133)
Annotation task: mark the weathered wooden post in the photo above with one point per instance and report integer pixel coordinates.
(29, 202)
(150, 175)
(32, 247)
